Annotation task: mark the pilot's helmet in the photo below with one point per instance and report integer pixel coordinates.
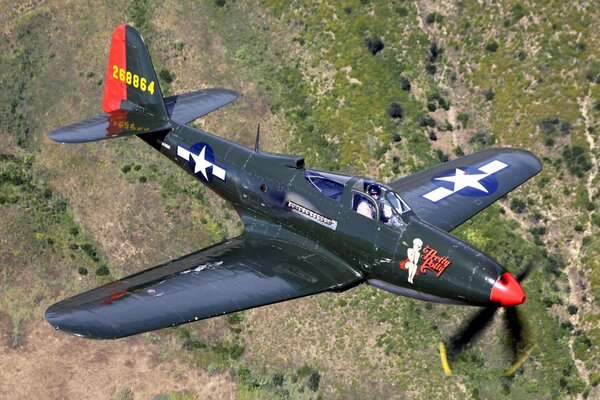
(374, 190)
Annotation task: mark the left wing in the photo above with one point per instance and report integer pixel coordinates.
(450, 193)
(248, 271)
(115, 124)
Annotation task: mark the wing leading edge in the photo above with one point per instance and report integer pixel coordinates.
(237, 274)
(450, 193)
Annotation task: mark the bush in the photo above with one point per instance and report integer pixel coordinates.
(482, 139)
(125, 393)
(489, 94)
(431, 69)
(446, 126)
(102, 270)
(82, 271)
(440, 155)
(553, 126)
(396, 111)
(444, 103)
(432, 136)
(434, 52)
(374, 44)
(278, 379)
(434, 18)
(463, 118)
(572, 309)
(313, 381)
(405, 83)
(517, 12)
(576, 160)
(517, 205)
(426, 120)
(166, 76)
(491, 45)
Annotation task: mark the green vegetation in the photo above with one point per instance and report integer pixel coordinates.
(353, 86)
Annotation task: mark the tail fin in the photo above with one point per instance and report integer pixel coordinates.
(133, 101)
(131, 81)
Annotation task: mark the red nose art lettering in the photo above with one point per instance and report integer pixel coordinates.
(433, 262)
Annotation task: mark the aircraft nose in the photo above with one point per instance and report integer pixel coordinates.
(507, 291)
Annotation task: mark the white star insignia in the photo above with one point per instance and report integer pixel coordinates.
(201, 164)
(462, 180)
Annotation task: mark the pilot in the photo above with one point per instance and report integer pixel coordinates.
(374, 191)
(366, 208)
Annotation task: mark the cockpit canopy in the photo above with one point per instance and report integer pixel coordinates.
(371, 199)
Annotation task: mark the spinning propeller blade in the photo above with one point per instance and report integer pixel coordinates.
(482, 319)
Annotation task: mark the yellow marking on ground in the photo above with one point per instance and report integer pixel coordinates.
(511, 371)
(444, 359)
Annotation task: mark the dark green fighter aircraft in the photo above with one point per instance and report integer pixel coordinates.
(305, 231)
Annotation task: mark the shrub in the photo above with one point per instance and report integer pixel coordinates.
(396, 110)
(102, 270)
(491, 45)
(434, 52)
(405, 84)
(517, 12)
(440, 155)
(431, 69)
(166, 76)
(313, 381)
(489, 94)
(572, 309)
(576, 160)
(463, 118)
(444, 103)
(553, 126)
(517, 205)
(82, 271)
(374, 44)
(446, 126)
(482, 139)
(278, 379)
(426, 120)
(434, 18)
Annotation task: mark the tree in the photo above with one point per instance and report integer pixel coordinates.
(396, 111)
(374, 44)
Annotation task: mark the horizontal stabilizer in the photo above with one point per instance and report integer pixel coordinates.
(187, 107)
(118, 123)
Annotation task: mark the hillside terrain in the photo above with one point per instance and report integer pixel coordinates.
(373, 88)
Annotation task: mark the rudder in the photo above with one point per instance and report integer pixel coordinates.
(130, 76)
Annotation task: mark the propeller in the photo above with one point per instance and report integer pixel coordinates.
(480, 321)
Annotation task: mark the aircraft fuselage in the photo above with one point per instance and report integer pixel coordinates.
(274, 187)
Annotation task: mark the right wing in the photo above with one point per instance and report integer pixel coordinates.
(450, 193)
(245, 272)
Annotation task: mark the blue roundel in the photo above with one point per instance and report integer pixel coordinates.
(209, 156)
(489, 182)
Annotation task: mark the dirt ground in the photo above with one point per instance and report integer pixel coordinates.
(53, 365)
